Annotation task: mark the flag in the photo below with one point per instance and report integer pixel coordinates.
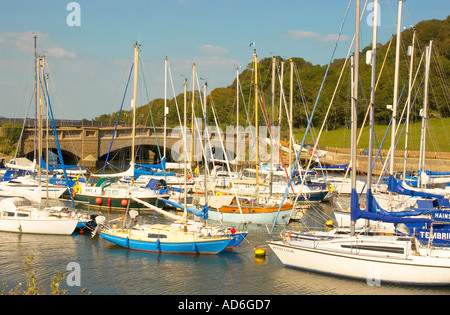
(252, 44)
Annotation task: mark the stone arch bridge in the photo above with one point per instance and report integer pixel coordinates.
(87, 145)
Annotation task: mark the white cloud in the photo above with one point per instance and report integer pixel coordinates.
(301, 35)
(213, 50)
(298, 35)
(333, 38)
(24, 42)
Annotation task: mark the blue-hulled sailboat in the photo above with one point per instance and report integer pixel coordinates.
(163, 238)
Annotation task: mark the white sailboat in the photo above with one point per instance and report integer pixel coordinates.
(17, 213)
(24, 185)
(375, 258)
(19, 216)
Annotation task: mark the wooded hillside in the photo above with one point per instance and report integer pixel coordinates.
(307, 81)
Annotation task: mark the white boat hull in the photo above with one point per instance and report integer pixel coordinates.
(254, 218)
(410, 269)
(18, 190)
(39, 226)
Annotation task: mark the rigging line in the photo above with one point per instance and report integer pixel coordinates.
(278, 145)
(197, 129)
(227, 163)
(336, 88)
(434, 93)
(205, 134)
(283, 100)
(312, 115)
(248, 122)
(379, 149)
(384, 61)
(118, 117)
(307, 117)
(441, 73)
(303, 101)
(151, 115)
(23, 125)
(55, 136)
(58, 101)
(179, 116)
(387, 162)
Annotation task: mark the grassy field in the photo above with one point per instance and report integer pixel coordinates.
(438, 136)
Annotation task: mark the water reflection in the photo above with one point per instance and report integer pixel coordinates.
(110, 269)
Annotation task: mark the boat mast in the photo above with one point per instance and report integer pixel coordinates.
(165, 107)
(409, 102)
(395, 101)
(425, 111)
(271, 118)
(372, 94)
(192, 116)
(133, 103)
(36, 87)
(41, 112)
(281, 95)
(185, 152)
(205, 88)
(291, 100)
(237, 120)
(256, 125)
(355, 107)
(46, 145)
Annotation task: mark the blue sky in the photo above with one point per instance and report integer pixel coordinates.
(89, 64)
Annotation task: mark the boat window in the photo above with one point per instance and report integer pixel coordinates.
(8, 214)
(23, 215)
(384, 249)
(150, 235)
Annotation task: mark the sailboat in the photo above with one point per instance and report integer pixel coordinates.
(108, 192)
(27, 183)
(370, 256)
(18, 215)
(166, 238)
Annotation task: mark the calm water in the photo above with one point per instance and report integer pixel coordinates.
(109, 269)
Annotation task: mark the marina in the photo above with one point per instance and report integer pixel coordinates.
(163, 202)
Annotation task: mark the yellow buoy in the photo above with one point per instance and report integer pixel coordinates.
(260, 252)
(329, 222)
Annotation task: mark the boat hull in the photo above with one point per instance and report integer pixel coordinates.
(39, 226)
(196, 247)
(233, 215)
(416, 270)
(115, 203)
(54, 192)
(237, 239)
